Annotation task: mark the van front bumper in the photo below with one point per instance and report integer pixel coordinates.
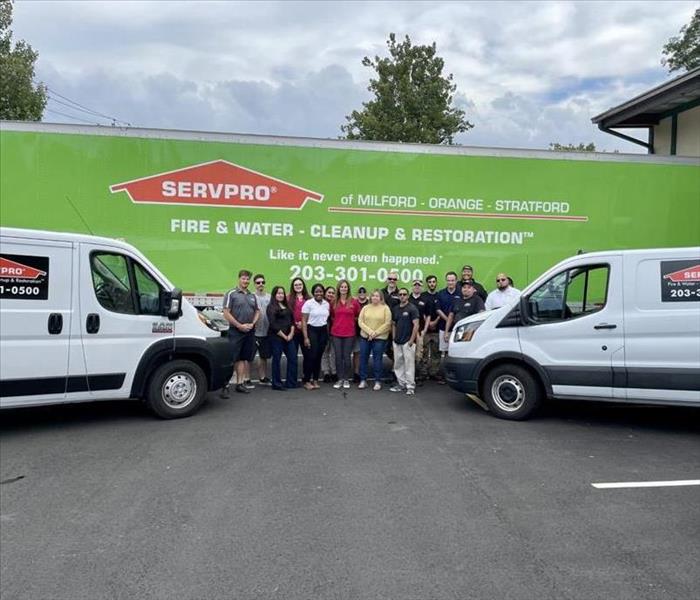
(221, 362)
(460, 374)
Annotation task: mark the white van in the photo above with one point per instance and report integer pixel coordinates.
(618, 326)
(86, 318)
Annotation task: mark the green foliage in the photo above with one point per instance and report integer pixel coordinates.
(683, 51)
(556, 147)
(20, 99)
(412, 99)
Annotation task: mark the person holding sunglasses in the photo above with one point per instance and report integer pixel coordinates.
(503, 294)
(404, 328)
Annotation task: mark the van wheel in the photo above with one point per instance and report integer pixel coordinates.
(176, 389)
(511, 392)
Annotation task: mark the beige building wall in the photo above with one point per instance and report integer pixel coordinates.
(687, 134)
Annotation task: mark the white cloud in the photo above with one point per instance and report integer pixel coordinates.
(528, 73)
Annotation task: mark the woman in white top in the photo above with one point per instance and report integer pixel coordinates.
(314, 325)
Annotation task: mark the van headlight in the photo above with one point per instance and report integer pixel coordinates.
(465, 332)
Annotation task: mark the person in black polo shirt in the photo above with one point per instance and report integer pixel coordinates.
(405, 331)
(469, 304)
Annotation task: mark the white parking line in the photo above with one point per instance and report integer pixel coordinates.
(644, 484)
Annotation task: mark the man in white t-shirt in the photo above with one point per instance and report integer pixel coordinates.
(503, 293)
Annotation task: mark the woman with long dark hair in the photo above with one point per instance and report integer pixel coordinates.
(314, 325)
(298, 294)
(344, 312)
(281, 336)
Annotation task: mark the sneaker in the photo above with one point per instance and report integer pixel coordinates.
(337, 385)
(410, 392)
(309, 386)
(377, 387)
(224, 394)
(315, 384)
(242, 389)
(265, 381)
(327, 378)
(396, 388)
(362, 386)
(346, 384)
(249, 384)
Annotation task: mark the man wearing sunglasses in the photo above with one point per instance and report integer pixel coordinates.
(391, 291)
(503, 294)
(262, 342)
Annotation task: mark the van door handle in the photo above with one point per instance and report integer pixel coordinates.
(92, 323)
(604, 326)
(55, 323)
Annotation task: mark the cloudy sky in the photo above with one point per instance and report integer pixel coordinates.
(527, 73)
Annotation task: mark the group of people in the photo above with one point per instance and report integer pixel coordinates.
(330, 325)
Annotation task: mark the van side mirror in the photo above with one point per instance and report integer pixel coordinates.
(524, 306)
(171, 304)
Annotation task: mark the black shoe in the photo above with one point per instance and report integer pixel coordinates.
(242, 389)
(224, 394)
(334, 378)
(249, 384)
(265, 381)
(327, 378)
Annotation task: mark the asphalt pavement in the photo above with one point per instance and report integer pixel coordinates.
(348, 495)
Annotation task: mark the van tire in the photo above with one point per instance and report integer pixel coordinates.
(176, 389)
(511, 392)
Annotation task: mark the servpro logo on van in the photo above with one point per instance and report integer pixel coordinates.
(24, 277)
(216, 183)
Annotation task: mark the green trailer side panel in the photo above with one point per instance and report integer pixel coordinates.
(62, 182)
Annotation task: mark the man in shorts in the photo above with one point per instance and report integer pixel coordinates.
(262, 342)
(242, 313)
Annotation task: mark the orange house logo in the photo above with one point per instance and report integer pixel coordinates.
(689, 274)
(217, 183)
(11, 269)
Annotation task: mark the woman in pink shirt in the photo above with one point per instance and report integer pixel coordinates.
(344, 312)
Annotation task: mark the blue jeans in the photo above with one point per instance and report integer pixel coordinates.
(376, 347)
(279, 346)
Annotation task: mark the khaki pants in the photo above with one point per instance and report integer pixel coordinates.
(429, 363)
(405, 365)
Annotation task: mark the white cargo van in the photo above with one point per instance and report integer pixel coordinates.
(614, 326)
(86, 318)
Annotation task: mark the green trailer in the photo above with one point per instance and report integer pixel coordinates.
(204, 205)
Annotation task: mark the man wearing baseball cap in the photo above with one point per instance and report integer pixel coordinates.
(468, 277)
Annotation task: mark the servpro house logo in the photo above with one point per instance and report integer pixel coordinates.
(216, 183)
(9, 269)
(689, 274)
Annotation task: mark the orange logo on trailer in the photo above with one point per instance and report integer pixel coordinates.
(217, 183)
(689, 274)
(10, 268)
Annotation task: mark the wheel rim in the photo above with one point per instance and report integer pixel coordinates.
(179, 390)
(508, 393)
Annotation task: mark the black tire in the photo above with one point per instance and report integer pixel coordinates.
(176, 389)
(511, 392)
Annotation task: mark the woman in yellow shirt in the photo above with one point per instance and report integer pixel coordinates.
(375, 326)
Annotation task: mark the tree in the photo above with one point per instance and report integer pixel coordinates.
(20, 98)
(683, 51)
(556, 147)
(412, 99)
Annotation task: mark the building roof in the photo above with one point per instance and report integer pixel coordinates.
(649, 108)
